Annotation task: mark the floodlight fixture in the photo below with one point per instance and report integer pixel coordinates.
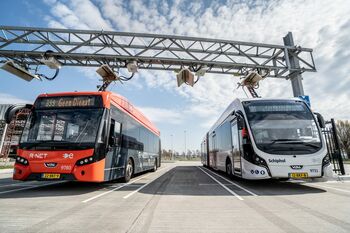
(107, 74)
(51, 62)
(252, 79)
(185, 76)
(132, 67)
(19, 71)
(179, 79)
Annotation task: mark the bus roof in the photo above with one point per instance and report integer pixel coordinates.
(234, 103)
(118, 101)
(123, 103)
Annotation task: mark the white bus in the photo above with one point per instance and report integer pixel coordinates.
(267, 138)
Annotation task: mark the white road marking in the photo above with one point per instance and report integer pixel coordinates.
(31, 187)
(19, 184)
(231, 182)
(327, 187)
(118, 187)
(337, 181)
(143, 186)
(222, 185)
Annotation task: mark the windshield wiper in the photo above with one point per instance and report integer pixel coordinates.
(283, 140)
(293, 141)
(40, 143)
(309, 144)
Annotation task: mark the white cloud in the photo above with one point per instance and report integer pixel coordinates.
(11, 99)
(162, 115)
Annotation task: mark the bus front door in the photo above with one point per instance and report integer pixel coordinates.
(236, 148)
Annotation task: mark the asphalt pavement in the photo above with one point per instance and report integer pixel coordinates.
(179, 197)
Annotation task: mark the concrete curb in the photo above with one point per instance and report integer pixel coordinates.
(344, 177)
(6, 171)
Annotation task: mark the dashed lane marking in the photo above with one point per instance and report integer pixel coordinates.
(143, 186)
(233, 183)
(118, 187)
(222, 185)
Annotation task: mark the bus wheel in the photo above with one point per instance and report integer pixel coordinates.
(129, 170)
(154, 166)
(228, 168)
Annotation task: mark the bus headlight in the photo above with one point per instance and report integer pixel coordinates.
(259, 161)
(22, 160)
(85, 161)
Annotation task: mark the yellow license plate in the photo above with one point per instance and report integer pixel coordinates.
(299, 175)
(50, 176)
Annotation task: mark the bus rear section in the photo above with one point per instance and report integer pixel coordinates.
(76, 136)
(268, 138)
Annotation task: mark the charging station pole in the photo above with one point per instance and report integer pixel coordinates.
(293, 63)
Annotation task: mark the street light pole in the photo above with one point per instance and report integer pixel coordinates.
(185, 145)
(172, 147)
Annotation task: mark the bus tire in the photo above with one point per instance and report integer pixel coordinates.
(155, 166)
(228, 167)
(129, 170)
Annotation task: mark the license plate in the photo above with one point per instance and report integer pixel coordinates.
(50, 176)
(299, 175)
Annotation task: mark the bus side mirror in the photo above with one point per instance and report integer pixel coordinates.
(320, 120)
(13, 110)
(240, 120)
(112, 141)
(240, 123)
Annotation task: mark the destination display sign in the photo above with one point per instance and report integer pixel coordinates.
(69, 102)
(277, 108)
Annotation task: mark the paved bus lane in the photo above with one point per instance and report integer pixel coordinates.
(44, 204)
(179, 197)
(297, 206)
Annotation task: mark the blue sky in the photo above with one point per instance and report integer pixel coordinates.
(322, 25)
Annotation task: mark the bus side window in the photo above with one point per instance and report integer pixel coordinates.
(117, 133)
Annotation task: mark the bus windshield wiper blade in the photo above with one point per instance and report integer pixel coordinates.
(283, 140)
(309, 144)
(35, 144)
(40, 143)
(294, 141)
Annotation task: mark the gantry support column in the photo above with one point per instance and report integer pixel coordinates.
(295, 77)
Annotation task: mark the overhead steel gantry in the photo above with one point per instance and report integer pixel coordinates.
(27, 46)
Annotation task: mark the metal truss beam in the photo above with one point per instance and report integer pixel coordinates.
(27, 45)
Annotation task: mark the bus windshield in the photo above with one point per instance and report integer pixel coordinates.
(283, 127)
(58, 126)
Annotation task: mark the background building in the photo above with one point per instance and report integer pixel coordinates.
(10, 133)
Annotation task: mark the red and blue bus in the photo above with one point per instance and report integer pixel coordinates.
(86, 136)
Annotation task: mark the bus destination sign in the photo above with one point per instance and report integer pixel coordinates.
(69, 102)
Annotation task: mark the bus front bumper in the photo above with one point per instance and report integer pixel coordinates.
(93, 172)
(255, 172)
